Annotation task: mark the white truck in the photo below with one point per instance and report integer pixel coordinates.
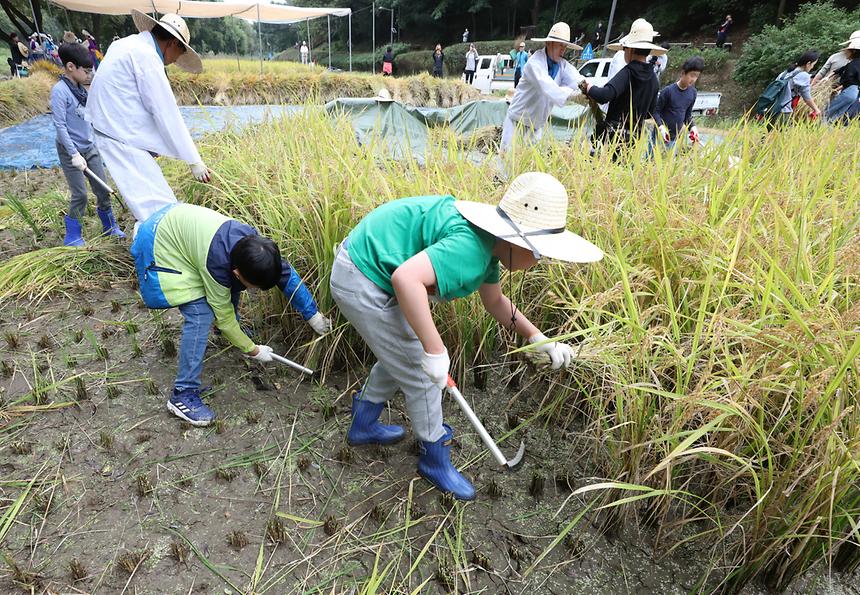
(496, 73)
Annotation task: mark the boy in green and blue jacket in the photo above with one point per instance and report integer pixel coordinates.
(193, 258)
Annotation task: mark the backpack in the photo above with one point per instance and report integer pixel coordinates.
(768, 104)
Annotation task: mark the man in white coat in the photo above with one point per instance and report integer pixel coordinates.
(547, 81)
(134, 112)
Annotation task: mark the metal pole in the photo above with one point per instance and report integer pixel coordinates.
(310, 55)
(373, 10)
(391, 32)
(555, 14)
(350, 41)
(608, 28)
(260, 37)
(328, 17)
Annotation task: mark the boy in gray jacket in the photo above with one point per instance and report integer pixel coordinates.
(76, 143)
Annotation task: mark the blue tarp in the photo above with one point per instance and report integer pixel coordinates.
(32, 144)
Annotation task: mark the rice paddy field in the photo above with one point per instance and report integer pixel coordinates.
(705, 440)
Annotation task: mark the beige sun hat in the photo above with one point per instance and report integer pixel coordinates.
(852, 40)
(533, 215)
(175, 25)
(384, 96)
(560, 32)
(641, 37)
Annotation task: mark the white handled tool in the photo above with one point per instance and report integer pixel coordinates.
(293, 364)
(104, 185)
(99, 181)
(485, 436)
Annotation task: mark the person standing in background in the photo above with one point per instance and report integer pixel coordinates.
(438, 61)
(723, 31)
(471, 64)
(598, 36)
(92, 47)
(304, 52)
(388, 62)
(466, 35)
(520, 56)
(19, 52)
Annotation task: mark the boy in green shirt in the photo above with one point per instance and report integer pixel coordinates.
(409, 250)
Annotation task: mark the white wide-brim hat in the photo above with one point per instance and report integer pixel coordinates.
(384, 96)
(175, 25)
(560, 33)
(533, 215)
(641, 37)
(853, 39)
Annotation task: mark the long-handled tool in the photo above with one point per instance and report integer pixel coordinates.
(485, 436)
(104, 185)
(293, 365)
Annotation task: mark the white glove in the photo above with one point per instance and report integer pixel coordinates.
(559, 354)
(320, 323)
(436, 365)
(664, 132)
(694, 134)
(264, 354)
(79, 162)
(200, 172)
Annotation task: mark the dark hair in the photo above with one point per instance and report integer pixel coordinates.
(853, 53)
(162, 34)
(640, 52)
(804, 58)
(388, 49)
(693, 64)
(258, 259)
(13, 35)
(76, 54)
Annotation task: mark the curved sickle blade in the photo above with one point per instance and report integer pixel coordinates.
(515, 462)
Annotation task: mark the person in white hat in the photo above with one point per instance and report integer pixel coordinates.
(304, 52)
(547, 81)
(849, 83)
(834, 62)
(632, 92)
(134, 112)
(410, 251)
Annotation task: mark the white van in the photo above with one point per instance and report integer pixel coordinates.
(494, 73)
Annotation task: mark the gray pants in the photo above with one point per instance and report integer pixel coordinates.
(378, 319)
(78, 181)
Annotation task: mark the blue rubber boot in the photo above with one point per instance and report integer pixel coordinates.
(434, 465)
(109, 223)
(73, 232)
(366, 427)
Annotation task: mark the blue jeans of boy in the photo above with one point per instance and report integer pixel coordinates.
(192, 348)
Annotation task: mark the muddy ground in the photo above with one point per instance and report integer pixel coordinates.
(124, 497)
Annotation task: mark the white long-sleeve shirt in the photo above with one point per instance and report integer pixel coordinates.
(131, 101)
(538, 93)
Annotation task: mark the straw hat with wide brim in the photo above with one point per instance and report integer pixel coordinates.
(533, 215)
(384, 96)
(853, 42)
(175, 25)
(641, 37)
(560, 33)
(853, 39)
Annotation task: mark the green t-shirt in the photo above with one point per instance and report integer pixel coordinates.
(461, 254)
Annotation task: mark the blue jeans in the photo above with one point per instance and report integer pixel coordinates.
(842, 103)
(192, 348)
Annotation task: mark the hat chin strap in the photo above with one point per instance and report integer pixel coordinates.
(518, 233)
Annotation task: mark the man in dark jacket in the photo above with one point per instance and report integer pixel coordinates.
(632, 92)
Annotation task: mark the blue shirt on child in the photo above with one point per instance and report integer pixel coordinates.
(74, 133)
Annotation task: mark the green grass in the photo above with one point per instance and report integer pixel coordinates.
(718, 338)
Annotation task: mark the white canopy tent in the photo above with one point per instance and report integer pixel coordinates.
(259, 12)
